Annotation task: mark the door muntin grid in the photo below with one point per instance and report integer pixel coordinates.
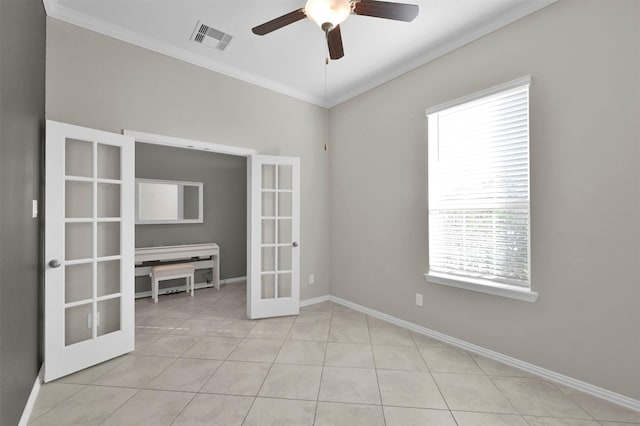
(276, 254)
(92, 256)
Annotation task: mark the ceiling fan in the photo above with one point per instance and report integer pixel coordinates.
(329, 14)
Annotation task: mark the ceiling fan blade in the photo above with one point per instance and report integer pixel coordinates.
(383, 9)
(334, 40)
(279, 22)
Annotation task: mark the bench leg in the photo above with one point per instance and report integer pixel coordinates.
(154, 290)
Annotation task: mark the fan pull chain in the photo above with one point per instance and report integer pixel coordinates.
(326, 59)
(326, 65)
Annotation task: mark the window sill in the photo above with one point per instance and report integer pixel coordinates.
(482, 286)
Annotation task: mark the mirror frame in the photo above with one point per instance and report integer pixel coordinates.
(181, 185)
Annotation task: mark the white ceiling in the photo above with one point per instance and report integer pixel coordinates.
(291, 59)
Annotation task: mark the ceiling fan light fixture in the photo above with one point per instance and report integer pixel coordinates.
(329, 14)
(333, 12)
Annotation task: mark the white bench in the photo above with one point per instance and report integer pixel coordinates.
(171, 272)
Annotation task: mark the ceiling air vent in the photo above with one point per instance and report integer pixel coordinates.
(211, 37)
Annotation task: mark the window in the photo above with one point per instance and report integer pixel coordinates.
(479, 192)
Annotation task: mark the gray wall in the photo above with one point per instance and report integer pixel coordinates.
(224, 179)
(99, 82)
(585, 195)
(22, 56)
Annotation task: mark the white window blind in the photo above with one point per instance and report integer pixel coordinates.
(479, 187)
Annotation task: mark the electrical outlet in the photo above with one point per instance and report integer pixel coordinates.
(418, 299)
(312, 279)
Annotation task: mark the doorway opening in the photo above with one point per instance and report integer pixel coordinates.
(272, 224)
(221, 172)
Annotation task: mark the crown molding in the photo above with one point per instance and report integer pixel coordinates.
(461, 39)
(54, 10)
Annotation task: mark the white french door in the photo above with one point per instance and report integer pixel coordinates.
(89, 248)
(274, 256)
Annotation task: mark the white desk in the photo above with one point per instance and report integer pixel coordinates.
(201, 256)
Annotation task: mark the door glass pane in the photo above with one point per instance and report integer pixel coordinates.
(78, 242)
(78, 200)
(284, 177)
(108, 239)
(77, 325)
(108, 316)
(108, 161)
(284, 231)
(284, 204)
(78, 281)
(268, 258)
(78, 158)
(284, 285)
(108, 200)
(268, 176)
(284, 258)
(268, 231)
(267, 286)
(268, 204)
(108, 277)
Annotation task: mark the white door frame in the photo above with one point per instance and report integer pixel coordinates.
(156, 139)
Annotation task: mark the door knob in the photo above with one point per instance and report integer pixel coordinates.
(54, 263)
(295, 244)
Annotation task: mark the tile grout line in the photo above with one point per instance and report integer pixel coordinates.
(199, 339)
(497, 387)
(224, 361)
(234, 316)
(375, 369)
(184, 408)
(227, 359)
(503, 393)
(546, 382)
(324, 360)
(93, 383)
(120, 406)
(255, 397)
(434, 380)
(58, 404)
(568, 395)
(160, 373)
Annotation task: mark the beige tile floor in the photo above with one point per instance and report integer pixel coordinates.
(199, 361)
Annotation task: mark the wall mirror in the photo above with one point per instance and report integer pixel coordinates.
(168, 201)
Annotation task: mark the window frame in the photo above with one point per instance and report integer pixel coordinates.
(487, 286)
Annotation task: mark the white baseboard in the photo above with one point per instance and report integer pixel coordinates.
(31, 402)
(233, 280)
(314, 300)
(197, 286)
(590, 389)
